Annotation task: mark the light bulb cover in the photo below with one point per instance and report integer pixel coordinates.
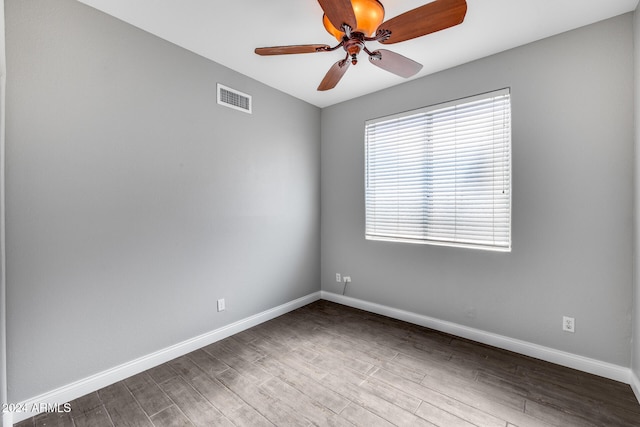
(369, 16)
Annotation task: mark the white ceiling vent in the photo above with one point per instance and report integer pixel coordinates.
(234, 99)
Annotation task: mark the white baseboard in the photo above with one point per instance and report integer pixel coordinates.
(635, 385)
(7, 419)
(585, 364)
(95, 382)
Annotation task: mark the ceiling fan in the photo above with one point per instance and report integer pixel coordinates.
(355, 22)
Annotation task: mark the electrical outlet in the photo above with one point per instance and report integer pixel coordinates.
(338, 277)
(568, 324)
(347, 279)
(221, 305)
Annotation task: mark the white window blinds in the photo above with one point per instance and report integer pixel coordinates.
(442, 174)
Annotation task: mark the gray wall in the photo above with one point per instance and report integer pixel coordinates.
(635, 363)
(572, 200)
(134, 201)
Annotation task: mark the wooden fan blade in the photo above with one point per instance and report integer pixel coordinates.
(339, 12)
(396, 63)
(435, 16)
(288, 50)
(334, 75)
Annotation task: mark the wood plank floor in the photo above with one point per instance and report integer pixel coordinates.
(330, 365)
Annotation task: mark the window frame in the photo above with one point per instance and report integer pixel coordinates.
(425, 111)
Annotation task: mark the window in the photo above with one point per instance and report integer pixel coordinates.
(442, 174)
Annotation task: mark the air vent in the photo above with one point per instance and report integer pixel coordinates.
(234, 99)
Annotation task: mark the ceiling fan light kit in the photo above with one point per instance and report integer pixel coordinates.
(355, 22)
(369, 14)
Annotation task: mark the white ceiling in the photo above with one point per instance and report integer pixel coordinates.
(227, 32)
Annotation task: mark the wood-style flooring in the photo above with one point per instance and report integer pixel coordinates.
(330, 365)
